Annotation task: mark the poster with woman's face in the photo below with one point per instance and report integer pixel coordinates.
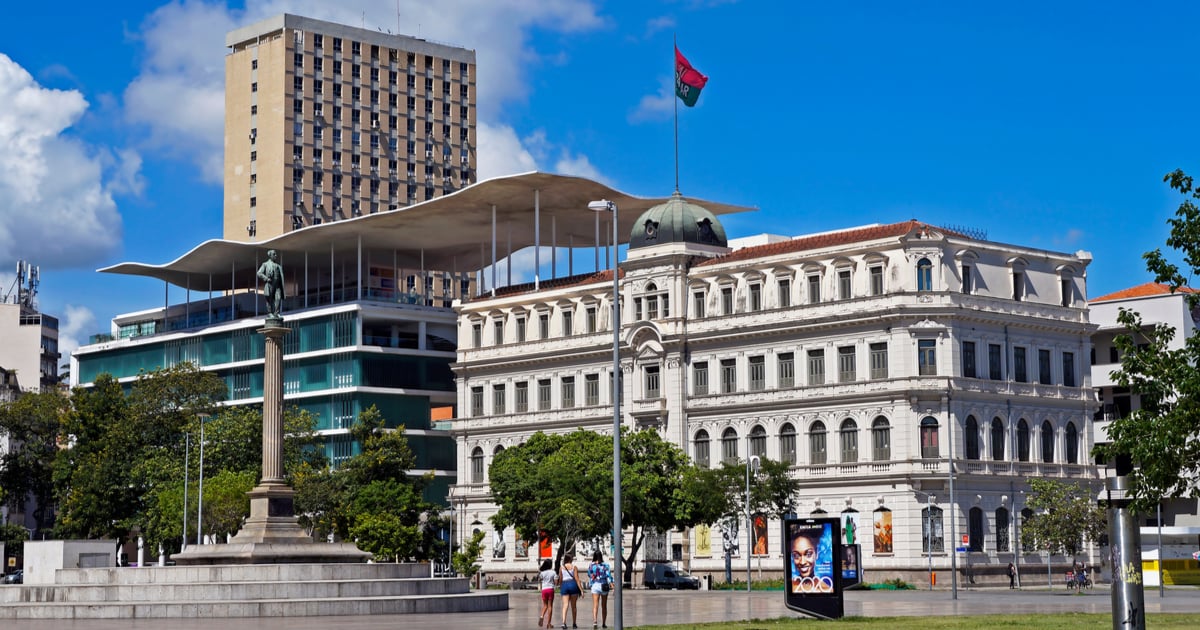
(883, 531)
(810, 558)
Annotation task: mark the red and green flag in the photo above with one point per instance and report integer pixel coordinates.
(688, 81)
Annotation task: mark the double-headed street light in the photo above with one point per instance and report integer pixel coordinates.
(928, 532)
(605, 205)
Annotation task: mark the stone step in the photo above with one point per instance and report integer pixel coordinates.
(233, 590)
(243, 573)
(461, 602)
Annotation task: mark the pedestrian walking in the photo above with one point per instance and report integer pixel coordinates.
(547, 577)
(569, 587)
(1012, 575)
(600, 577)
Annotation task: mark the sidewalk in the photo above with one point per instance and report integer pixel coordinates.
(677, 607)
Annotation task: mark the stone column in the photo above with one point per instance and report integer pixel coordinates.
(272, 438)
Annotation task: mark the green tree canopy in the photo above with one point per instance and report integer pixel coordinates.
(372, 498)
(31, 423)
(1162, 438)
(1065, 516)
(561, 484)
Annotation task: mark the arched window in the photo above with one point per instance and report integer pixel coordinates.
(924, 275)
(477, 465)
(929, 437)
(1071, 442)
(881, 439)
(1022, 440)
(848, 438)
(700, 448)
(787, 443)
(1047, 442)
(758, 441)
(972, 438)
(997, 439)
(975, 530)
(816, 443)
(1002, 529)
(1028, 544)
(651, 302)
(496, 451)
(729, 446)
(932, 537)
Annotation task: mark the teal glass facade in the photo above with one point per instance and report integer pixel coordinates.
(311, 383)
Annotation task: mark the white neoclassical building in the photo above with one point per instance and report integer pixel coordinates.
(880, 361)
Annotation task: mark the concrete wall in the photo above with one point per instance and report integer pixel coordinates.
(44, 557)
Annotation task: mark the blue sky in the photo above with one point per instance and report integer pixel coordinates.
(1047, 124)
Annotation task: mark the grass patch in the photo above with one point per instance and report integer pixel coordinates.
(1061, 621)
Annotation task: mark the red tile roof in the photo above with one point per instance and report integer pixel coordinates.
(1142, 290)
(829, 239)
(558, 283)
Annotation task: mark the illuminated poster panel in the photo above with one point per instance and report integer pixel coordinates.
(813, 566)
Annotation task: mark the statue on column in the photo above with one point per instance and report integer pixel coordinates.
(271, 273)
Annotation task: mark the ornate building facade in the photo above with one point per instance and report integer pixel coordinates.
(913, 376)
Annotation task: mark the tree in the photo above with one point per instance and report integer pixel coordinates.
(555, 485)
(466, 561)
(561, 486)
(1162, 438)
(122, 449)
(1065, 516)
(372, 498)
(31, 423)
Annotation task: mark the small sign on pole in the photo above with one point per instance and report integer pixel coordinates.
(966, 539)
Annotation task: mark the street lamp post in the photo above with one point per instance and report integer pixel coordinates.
(605, 205)
(187, 452)
(751, 462)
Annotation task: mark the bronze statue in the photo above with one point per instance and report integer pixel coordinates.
(271, 273)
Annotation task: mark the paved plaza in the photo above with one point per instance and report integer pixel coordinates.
(677, 607)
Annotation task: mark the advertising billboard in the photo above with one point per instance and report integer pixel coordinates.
(813, 561)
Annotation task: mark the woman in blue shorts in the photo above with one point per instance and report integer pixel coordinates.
(569, 587)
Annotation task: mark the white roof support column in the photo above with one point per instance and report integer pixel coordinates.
(570, 255)
(210, 306)
(553, 246)
(493, 287)
(596, 249)
(332, 271)
(537, 240)
(359, 264)
(425, 288)
(255, 283)
(306, 278)
(508, 257)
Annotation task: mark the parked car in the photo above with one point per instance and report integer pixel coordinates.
(16, 577)
(667, 576)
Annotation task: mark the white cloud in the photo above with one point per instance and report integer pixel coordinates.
(657, 106)
(501, 152)
(179, 94)
(654, 25)
(577, 165)
(58, 212)
(74, 326)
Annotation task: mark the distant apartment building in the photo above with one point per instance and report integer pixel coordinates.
(325, 122)
(29, 346)
(1158, 306)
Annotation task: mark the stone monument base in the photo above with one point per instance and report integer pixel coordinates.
(271, 535)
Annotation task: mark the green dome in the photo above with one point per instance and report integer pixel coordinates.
(677, 221)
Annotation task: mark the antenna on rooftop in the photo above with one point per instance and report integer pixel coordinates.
(24, 287)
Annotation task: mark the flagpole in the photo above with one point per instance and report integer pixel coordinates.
(675, 100)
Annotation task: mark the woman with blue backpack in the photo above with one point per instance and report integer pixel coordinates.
(600, 576)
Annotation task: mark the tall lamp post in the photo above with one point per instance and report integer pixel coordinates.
(187, 452)
(751, 462)
(605, 205)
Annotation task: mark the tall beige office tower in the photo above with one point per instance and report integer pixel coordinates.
(325, 122)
